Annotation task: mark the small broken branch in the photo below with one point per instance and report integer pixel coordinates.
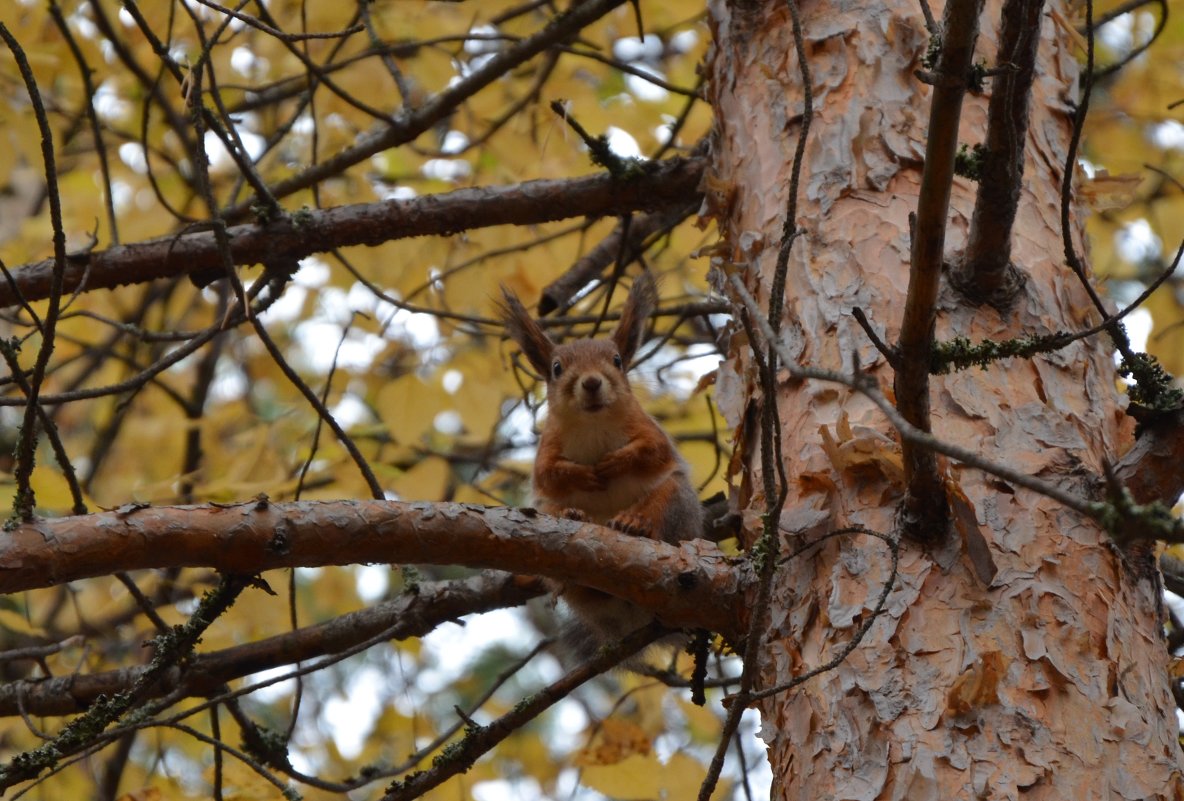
(559, 293)
(985, 272)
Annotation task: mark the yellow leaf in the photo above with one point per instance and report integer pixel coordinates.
(978, 686)
(861, 450)
(682, 775)
(638, 776)
(703, 722)
(1167, 339)
(15, 621)
(143, 794)
(730, 546)
(1118, 145)
(467, 493)
(615, 741)
(424, 482)
(644, 777)
(1166, 215)
(408, 406)
(484, 383)
(1106, 191)
(51, 489)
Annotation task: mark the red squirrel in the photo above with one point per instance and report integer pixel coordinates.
(601, 458)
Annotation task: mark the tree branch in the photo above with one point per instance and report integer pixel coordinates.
(661, 185)
(692, 585)
(412, 614)
(925, 511)
(558, 293)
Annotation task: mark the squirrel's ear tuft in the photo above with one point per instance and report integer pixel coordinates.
(642, 300)
(522, 328)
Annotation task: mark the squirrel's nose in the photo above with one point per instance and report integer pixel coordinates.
(591, 383)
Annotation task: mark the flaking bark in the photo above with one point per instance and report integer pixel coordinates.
(1051, 682)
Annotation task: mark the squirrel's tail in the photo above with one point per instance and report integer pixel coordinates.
(596, 619)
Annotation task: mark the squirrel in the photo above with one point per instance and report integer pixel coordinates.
(601, 457)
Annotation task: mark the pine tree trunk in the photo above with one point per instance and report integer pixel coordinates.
(1050, 682)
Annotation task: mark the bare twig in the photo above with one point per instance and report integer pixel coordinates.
(623, 245)
(1136, 51)
(25, 502)
(84, 71)
(409, 615)
(81, 733)
(916, 436)
(1116, 331)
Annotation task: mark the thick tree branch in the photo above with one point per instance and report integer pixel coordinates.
(412, 614)
(692, 585)
(925, 512)
(667, 183)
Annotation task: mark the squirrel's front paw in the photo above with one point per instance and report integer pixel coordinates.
(572, 513)
(632, 524)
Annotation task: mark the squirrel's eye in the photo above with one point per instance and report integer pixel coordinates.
(556, 369)
(617, 361)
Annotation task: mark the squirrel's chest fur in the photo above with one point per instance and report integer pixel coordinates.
(588, 444)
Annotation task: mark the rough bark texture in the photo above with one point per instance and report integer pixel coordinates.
(1051, 682)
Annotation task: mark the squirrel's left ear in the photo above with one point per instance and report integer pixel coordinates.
(522, 328)
(642, 300)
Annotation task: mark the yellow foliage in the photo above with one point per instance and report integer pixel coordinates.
(52, 491)
(645, 777)
(255, 428)
(143, 794)
(426, 481)
(18, 623)
(615, 741)
(408, 406)
(1167, 338)
(703, 722)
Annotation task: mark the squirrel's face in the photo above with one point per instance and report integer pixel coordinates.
(587, 377)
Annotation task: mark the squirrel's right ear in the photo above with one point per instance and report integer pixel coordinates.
(522, 328)
(642, 300)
